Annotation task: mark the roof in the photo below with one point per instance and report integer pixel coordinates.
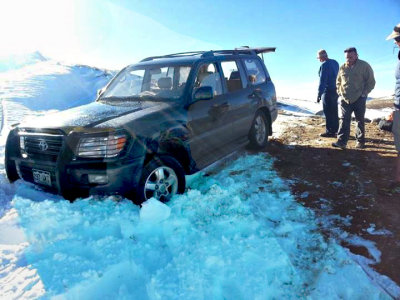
(192, 56)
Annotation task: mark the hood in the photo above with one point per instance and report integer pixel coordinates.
(86, 116)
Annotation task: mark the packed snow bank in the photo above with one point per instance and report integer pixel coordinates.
(302, 107)
(35, 89)
(13, 62)
(238, 234)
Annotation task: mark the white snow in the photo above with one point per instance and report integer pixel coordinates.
(13, 62)
(235, 234)
(373, 231)
(302, 107)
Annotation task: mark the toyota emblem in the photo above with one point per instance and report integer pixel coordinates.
(43, 145)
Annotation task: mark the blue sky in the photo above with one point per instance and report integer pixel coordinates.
(116, 33)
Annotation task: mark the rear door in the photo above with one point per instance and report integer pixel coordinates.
(237, 94)
(258, 90)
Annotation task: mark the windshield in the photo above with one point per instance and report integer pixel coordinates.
(148, 82)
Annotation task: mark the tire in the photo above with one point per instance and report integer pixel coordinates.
(162, 178)
(259, 131)
(9, 164)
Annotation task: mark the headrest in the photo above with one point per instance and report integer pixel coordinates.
(234, 75)
(165, 83)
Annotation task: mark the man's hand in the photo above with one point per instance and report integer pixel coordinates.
(390, 117)
(318, 98)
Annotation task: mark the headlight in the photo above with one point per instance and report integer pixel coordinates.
(101, 146)
(22, 147)
(22, 143)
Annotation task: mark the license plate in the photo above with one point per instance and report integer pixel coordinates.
(41, 177)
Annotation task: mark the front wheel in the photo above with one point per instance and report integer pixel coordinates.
(162, 178)
(11, 150)
(259, 131)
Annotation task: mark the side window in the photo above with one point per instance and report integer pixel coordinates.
(231, 76)
(183, 75)
(255, 71)
(208, 75)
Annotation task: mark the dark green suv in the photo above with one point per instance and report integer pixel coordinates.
(155, 122)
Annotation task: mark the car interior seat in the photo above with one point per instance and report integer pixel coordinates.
(234, 83)
(165, 83)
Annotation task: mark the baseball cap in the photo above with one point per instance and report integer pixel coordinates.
(395, 33)
(351, 49)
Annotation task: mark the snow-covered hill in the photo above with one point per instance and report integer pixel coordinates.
(45, 85)
(13, 62)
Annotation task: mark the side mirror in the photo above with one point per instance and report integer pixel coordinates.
(203, 93)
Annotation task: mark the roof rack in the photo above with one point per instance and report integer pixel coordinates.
(190, 53)
(236, 51)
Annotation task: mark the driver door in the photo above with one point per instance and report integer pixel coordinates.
(208, 119)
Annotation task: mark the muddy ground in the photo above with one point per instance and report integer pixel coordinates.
(349, 190)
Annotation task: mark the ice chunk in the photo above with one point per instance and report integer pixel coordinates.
(154, 211)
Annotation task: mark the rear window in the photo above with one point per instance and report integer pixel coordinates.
(255, 71)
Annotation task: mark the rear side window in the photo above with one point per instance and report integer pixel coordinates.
(255, 71)
(231, 76)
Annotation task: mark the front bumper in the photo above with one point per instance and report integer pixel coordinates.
(72, 176)
(73, 180)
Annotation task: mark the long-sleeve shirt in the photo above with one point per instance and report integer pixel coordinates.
(327, 76)
(397, 87)
(355, 81)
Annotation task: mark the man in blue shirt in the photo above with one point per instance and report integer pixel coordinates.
(327, 92)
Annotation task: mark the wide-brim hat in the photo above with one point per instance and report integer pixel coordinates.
(395, 33)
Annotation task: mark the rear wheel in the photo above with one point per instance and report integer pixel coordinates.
(162, 178)
(259, 131)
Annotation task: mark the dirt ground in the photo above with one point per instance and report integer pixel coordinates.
(353, 184)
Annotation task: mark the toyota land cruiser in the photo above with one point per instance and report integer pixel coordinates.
(155, 122)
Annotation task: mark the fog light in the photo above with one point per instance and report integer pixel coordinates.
(99, 179)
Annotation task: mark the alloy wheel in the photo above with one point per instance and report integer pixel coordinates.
(162, 184)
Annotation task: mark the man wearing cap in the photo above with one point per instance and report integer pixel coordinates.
(354, 82)
(327, 92)
(396, 114)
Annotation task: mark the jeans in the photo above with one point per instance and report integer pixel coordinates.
(330, 107)
(396, 129)
(358, 108)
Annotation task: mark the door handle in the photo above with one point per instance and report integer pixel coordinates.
(221, 106)
(218, 109)
(256, 94)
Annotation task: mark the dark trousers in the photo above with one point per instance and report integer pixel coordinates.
(330, 107)
(358, 108)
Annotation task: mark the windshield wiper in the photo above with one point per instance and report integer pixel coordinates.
(137, 98)
(121, 98)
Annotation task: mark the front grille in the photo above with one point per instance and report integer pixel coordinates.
(42, 146)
